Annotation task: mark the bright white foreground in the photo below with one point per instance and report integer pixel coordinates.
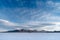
(29, 36)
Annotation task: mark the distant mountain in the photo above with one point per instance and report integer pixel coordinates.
(24, 30)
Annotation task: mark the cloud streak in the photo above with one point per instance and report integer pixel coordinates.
(7, 23)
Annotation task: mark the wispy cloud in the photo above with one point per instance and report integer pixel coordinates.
(7, 23)
(55, 27)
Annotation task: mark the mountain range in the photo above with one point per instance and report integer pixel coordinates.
(30, 31)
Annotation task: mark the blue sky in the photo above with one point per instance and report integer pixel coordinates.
(36, 14)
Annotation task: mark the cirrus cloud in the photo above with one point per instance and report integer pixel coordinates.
(7, 23)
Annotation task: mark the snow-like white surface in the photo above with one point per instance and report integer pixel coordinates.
(29, 36)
